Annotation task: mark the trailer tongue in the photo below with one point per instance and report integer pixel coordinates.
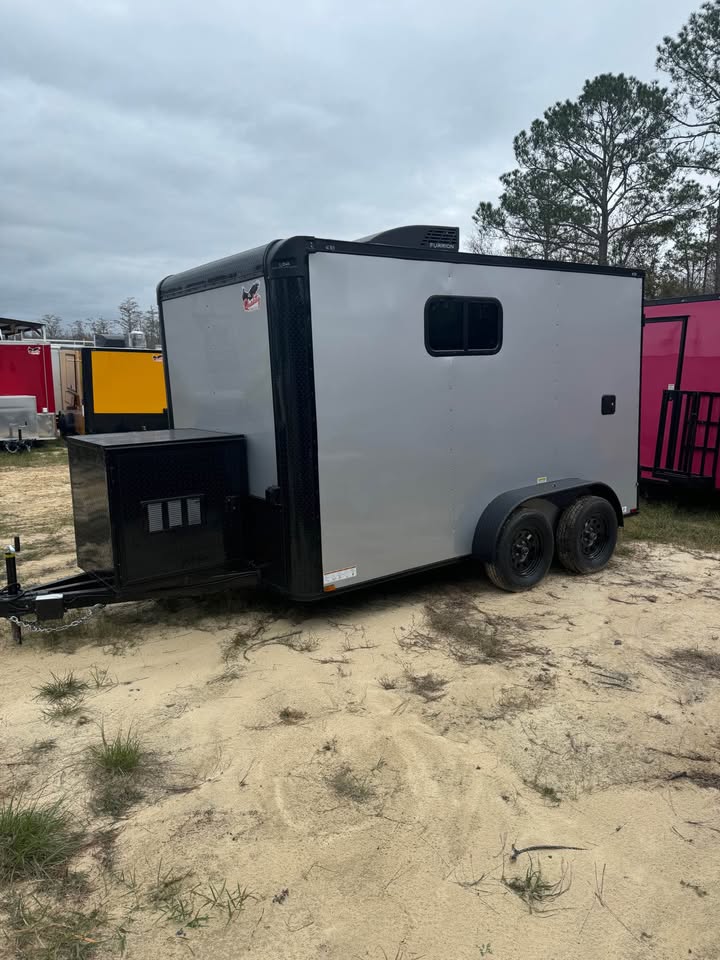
(157, 514)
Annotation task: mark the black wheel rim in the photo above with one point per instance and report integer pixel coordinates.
(526, 551)
(594, 536)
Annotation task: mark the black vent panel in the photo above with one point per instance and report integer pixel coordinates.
(161, 515)
(442, 238)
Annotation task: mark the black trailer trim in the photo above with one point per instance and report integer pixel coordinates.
(289, 254)
(163, 344)
(293, 385)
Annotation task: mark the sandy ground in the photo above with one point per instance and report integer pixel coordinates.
(370, 812)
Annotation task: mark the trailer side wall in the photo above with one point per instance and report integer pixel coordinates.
(412, 447)
(219, 357)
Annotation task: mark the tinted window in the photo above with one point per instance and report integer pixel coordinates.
(445, 325)
(483, 325)
(458, 325)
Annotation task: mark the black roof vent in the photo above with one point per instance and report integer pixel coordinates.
(419, 237)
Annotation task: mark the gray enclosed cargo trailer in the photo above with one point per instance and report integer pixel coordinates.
(401, 399)
(344, 413)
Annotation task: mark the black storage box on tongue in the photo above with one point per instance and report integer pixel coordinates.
(159, 503)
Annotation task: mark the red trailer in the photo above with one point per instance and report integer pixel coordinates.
(26, 370)
(680, 393)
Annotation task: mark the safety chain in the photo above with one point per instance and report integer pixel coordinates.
(34, 628)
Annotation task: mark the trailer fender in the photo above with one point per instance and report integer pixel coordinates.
(558, 494)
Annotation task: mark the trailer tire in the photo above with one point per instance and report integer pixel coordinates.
(11, 446)
(523, 552)
(586, 535)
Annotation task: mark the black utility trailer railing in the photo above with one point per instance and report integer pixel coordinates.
(688, 440)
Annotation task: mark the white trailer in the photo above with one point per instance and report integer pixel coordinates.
(407, 405)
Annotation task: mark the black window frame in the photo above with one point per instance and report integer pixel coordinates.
(466, 351)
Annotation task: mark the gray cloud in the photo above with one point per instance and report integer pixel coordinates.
(140, 138)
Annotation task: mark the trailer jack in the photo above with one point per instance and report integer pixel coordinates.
(95, 590)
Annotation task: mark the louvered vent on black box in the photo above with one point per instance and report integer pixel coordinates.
(442, 238)
(419, 236)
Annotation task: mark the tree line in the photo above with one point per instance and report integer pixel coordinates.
(130, 317)
(627, 174)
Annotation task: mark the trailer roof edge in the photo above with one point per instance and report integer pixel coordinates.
(278, 255)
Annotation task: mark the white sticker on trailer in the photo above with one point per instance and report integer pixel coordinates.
(337, 575)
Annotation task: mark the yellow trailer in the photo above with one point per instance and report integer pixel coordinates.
(121, 390)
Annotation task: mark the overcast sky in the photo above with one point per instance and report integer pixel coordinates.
(141, 137)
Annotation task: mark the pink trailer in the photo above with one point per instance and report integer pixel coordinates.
(680, 392)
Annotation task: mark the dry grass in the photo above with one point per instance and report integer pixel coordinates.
(535, 890)
(456, 624)
(348, 785)
(693, 661)
(291, 716)
(47, 931)
(64, 710)
(511, 701)
(429, 686)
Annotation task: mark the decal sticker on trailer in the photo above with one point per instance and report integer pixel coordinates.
(329, 579)
(251, 297)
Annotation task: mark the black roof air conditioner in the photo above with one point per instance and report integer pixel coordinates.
(418, 237)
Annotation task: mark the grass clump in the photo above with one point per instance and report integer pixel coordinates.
(121, 755)
(101, 677)
(388, 683)
(348, 785)
(117, 766)
(535, 890)
(64, 687)
(35, 839)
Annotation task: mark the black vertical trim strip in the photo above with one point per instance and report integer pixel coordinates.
(166, 364)
(88, 398)
(681, 353)
(291, 357)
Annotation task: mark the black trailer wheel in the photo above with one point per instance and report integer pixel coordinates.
(11, 446)
(524, 551)
(586, 535)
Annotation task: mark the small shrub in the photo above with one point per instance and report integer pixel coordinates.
(388, 683)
